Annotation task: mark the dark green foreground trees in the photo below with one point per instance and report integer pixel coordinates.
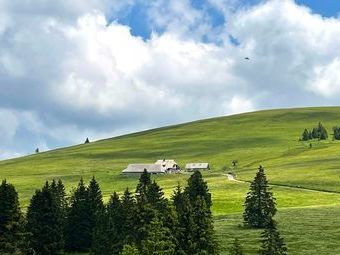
(143, 223)
(148, 223)
(12, 233)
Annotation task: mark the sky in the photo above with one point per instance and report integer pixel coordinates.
(101, 68)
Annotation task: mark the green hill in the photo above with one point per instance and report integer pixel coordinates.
(305, 180)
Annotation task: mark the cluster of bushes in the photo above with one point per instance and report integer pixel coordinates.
(141, 223)
(318, 132)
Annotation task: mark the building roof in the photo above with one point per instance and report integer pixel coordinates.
(166, 161)
(197, 166)
(139, 168)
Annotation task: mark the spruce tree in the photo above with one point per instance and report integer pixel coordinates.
(155, 197)
(158, 240)
(144, 215)
(305, 135)
(198, 187)
(128, 221)
(12, 234)
(116, 218)
(143, 184)
(336, 133)
(44, 222)
(101, 244)
(260, 203)
(236, 248)
(109, 229)
(185, 228)
(204, 237)
(272, 242)
(95, 205)
(78, 225)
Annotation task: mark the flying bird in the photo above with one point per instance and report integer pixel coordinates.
(246, 58)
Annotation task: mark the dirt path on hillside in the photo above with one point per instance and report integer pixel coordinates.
(231, 177)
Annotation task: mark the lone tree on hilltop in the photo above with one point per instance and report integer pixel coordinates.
(272, 242)
(260, 203)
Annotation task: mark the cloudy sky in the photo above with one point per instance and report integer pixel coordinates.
(99, 68)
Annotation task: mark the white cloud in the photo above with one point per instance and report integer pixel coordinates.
(327, 80)
(9, 125)
(238, 105)
(66, 74)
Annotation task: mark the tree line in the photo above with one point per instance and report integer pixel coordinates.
(139, 223)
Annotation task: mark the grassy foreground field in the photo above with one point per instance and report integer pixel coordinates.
(305, 180)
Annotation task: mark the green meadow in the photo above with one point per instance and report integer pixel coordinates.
(305, 181)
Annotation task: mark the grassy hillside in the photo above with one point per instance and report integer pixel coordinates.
(305, 180)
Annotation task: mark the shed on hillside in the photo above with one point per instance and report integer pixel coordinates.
(197, 166)
(139, 169)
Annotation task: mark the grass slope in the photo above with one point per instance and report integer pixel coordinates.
(269, 138)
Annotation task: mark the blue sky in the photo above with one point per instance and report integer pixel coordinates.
(137, 17)
(93, 68)
(326, 8)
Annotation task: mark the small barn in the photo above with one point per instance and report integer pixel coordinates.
(139, 169)
(168, 165)
(197, 166)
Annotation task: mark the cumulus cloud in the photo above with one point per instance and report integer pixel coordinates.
(67, 73)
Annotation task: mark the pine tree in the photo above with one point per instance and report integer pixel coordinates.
(320, 132)
(115, 218)
(272, 242)
(58, 190)
(158, 241)
(336, 133)
(128, 221)
(236, 248)
(305, 135)
(12, 235)
(95, 205)
(198, 187)
(155, 196)
(185, 228)
(78, 226)
(144, 215)
(205, 235)
(44, 222)
(101, 244)
(143, 184)
(109, 227)
(259, 203)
